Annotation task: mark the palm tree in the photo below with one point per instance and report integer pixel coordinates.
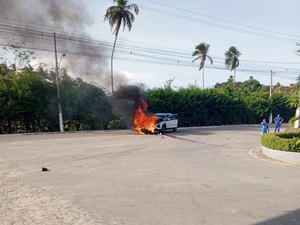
(232, 60)
(200, 52)
(117, 15)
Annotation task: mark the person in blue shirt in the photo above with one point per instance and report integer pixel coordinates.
(278, 121)
(264, 127)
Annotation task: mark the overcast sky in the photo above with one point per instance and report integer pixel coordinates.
(163, 37)
(188, 23)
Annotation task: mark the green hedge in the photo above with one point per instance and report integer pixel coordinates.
(285, 141)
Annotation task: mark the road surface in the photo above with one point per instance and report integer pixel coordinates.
(195, 176)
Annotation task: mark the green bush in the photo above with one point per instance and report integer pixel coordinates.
(294, 133)
(285, 141)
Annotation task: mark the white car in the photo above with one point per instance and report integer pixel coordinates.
(166, 121)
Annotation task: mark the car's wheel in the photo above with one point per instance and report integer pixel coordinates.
(163, 128)
(174, 129)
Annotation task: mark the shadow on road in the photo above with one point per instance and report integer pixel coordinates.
(206, 130)
(192, 131)
(290, 218)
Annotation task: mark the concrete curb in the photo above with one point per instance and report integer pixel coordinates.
(288, 157)
(256, 153)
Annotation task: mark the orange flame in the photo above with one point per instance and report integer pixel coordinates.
(143, 123)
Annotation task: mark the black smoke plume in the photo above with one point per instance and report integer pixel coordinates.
(126, 100)
(85, 58)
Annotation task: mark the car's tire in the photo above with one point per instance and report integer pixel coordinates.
(163, 128)
(174, 129)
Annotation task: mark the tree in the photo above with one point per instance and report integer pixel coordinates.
(294, 101)
(232, 59)
(297, 51)
(295, 98)
(5, 85)
(251, 86)
(169, 82)
(117, 15)
(200, 52)
(228, 83)
(29, 100)
(279, 105)
(86, 106)
(22, 57)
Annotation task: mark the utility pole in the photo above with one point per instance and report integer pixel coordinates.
(60, 117)
(271, 85)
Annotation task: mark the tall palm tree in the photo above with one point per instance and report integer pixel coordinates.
(117, 15)
(200, 52)
(232, 60)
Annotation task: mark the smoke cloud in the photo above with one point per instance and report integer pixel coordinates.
(61, 13)
(126, 101)
(85, 58)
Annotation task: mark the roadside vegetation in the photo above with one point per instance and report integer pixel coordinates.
(245, 102)
(289, 140)
(29, 97)
(28, 103)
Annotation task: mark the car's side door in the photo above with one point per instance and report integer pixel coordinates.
(173, 121)
(168, 121)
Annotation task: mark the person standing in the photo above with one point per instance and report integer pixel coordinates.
(278, 121)
(264, 127)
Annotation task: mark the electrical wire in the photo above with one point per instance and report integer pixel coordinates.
(137, 54)
(225, 27)
(222, 20)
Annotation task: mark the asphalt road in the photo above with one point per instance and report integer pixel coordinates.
(194, 176)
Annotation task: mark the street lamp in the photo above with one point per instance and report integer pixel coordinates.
(60, 117)
(63, 55)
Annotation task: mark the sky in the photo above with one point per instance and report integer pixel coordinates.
(163, 37)
(173, 25)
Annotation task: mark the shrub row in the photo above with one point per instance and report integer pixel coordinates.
(286, 141)
(290, 134)
(218, 106)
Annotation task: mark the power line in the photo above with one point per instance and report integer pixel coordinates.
(158, 61)
(226, 27)
(223, 20)
(84, 41)
(142, 54)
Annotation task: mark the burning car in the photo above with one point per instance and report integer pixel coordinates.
(166, 121)
(151, 124)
